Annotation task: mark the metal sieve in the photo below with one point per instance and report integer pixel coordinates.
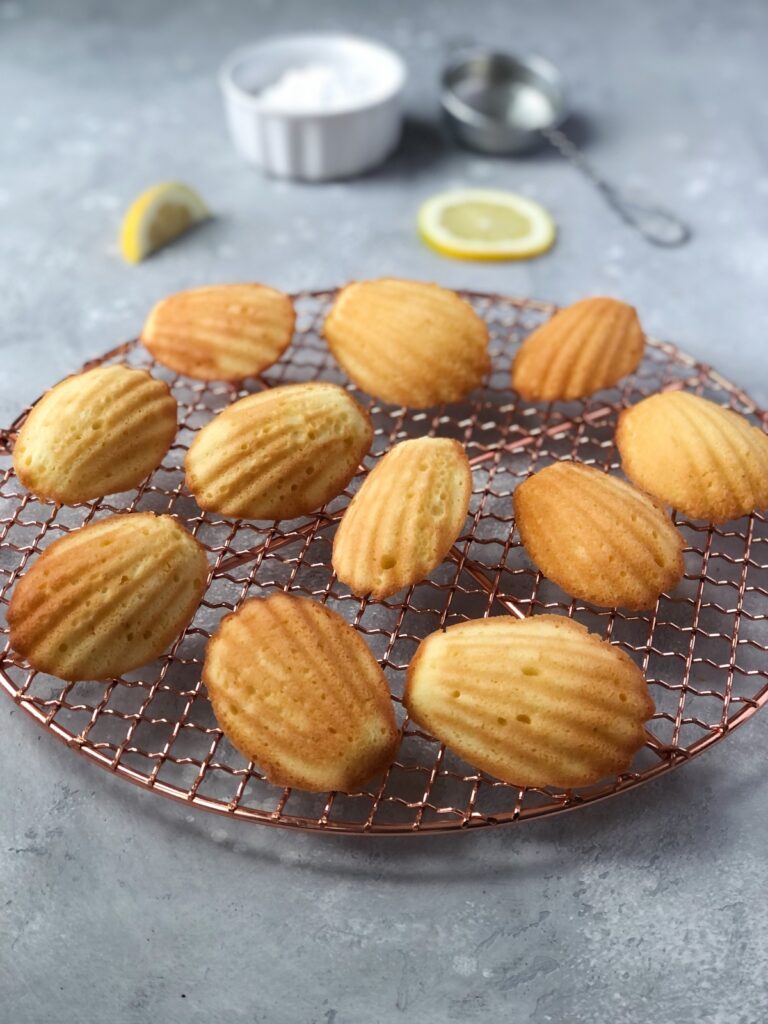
(501, 104)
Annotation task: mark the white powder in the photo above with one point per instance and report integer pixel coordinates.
(314, 89)
(529, 107)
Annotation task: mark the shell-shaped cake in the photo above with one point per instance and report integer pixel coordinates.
(95, 433)
(108, 597)
(280, 453)
(296, 689)
(408, 342)
(706, 461)
(533, 702)
(402, 522)
(583, 348)
(220, 332)
(597, 537)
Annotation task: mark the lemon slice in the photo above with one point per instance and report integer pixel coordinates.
(159, 216)
(485, 224)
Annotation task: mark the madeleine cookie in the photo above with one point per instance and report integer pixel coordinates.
(108, 597)
(222, 332)
(706, 461)
(586, 347)
(407, 342)
(296, 689)
(598, 537)
(534, 702)
(280, 453)
(402, 522)
(96, 433)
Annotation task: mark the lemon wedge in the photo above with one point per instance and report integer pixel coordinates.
(485, 224)
(158, 216)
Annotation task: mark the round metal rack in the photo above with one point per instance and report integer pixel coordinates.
(703, 648)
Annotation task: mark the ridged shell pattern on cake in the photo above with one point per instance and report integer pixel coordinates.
(597, 537)
(297, 690)
(95, 433)
(407, 342)
(706, 461)
(405, 517)
(220, 332)
(108, 597)
(586, 347)
(533, 702)
(280, 453)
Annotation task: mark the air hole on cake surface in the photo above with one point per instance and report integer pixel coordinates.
(456, 694)
(501, 720)
(63, 648)
(623, 698)
(530, 670)
(388, 561)
(525, 719)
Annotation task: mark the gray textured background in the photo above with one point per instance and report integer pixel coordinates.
(115, 905)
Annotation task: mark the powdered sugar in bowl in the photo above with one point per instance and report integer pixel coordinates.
(314, 107)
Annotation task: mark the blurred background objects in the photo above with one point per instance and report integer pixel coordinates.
(102, 100)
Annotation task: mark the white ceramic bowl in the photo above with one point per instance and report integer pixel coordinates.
(315, 145)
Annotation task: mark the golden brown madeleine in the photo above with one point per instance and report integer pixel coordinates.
(408, 342)
(108, 597)
(597, 537)
(706, 461)
(581, 349)
(96, 433)
(296, 689)
(402, 522)
(280, 453)
(222, 332)
(534, 702)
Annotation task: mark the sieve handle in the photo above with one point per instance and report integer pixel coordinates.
(655, 224)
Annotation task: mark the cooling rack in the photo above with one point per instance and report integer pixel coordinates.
(703, 648)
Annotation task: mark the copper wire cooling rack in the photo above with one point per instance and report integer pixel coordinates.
(703, 648)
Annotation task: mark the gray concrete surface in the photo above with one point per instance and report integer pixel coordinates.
(117, 906)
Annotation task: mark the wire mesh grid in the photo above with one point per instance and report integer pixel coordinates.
(702, 648)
